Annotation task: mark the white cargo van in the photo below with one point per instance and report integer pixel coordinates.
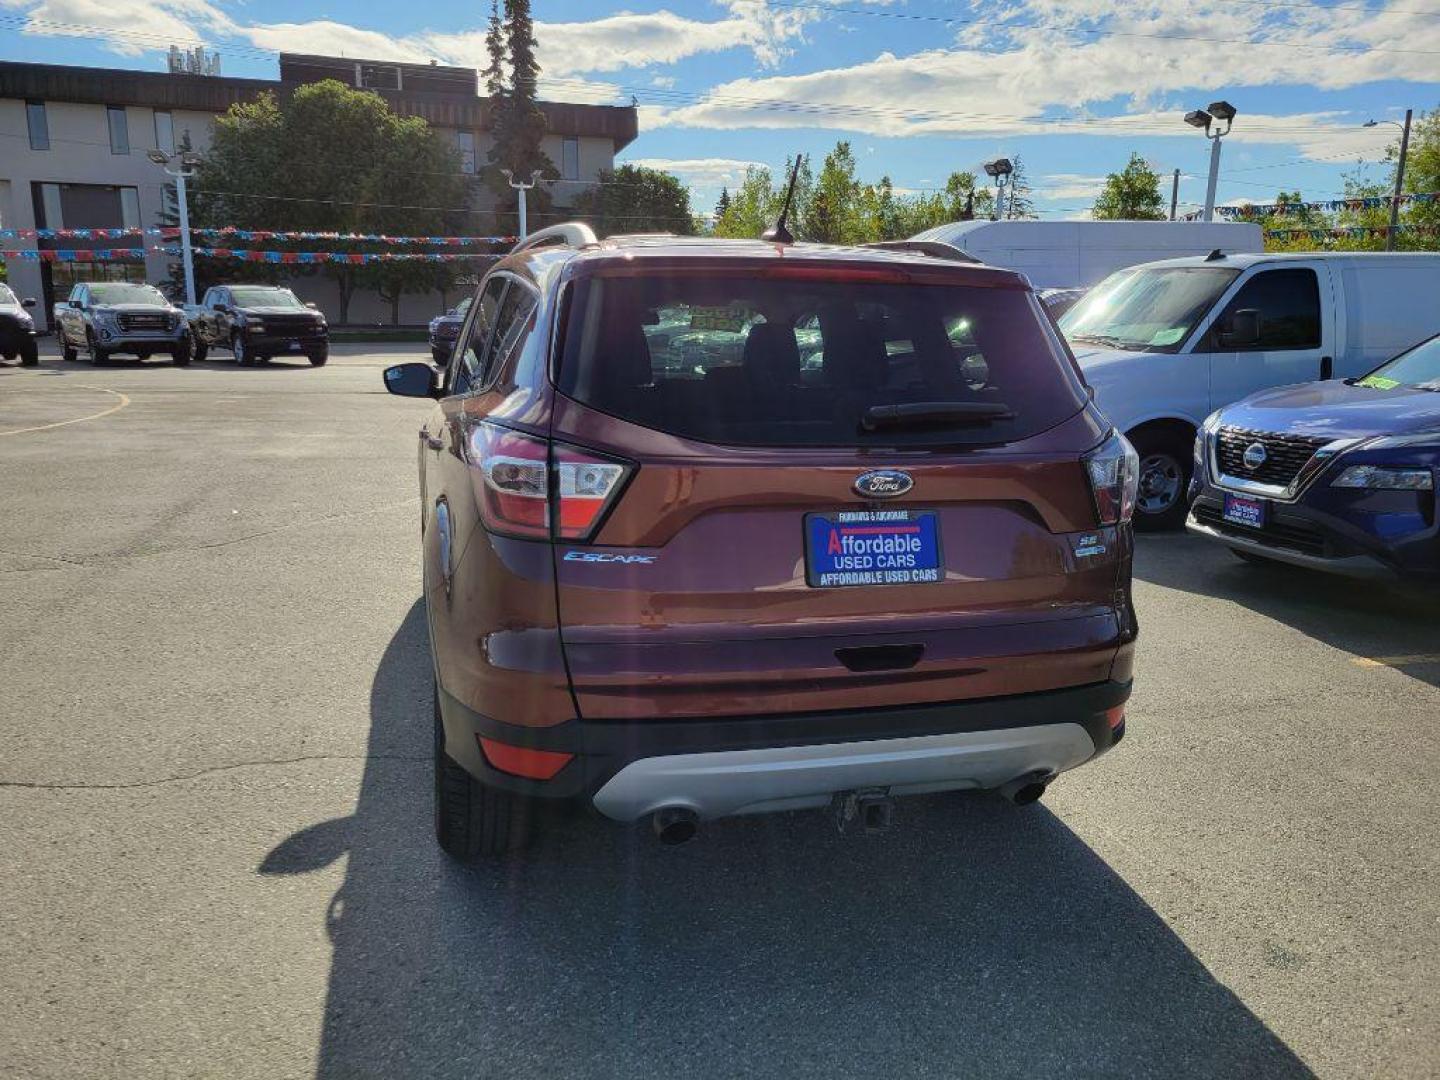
(1165, 344)
(1078, 254)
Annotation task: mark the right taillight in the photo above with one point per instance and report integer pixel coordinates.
(533, 487)
(1114, 471)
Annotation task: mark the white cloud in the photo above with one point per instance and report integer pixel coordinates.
(129, 27)
(1069, 186)
(701, 172)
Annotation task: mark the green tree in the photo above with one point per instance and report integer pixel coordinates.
(1132, 194)
(1019, 200)
(722, 204)
(1422, 174)
(633, 199)
(831, 214)
(752, 207)
(330, 159)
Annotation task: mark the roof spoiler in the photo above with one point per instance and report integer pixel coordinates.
(934, 248)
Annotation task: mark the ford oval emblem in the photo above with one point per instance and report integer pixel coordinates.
(1254, 456)
(883, 484)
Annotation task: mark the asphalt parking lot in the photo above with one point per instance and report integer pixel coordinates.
(215, 850)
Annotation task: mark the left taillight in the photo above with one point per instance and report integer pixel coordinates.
(533, 487)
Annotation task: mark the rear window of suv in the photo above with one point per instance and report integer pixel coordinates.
(771, 361)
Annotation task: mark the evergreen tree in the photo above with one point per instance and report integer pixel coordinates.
(1019, 202)
(722, 205)
(518, 123)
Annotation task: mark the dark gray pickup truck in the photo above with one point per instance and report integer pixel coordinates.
(108, 317)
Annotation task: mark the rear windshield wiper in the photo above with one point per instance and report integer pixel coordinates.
(935, 413)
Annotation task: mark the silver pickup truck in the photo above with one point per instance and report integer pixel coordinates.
(108, 317)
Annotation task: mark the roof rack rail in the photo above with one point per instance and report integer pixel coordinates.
(934, 248)
(574, 234)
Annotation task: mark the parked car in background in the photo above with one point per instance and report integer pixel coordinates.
(1081, 254)
(109, 317)
(1165, 344)
(17, 328)
(445, 328)
(1338, 476)
(257, 322)
(679, 587)
(1059, 301)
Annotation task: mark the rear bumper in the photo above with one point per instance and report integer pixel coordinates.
(753, 764)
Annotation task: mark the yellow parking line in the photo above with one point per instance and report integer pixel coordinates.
(79, 419)
(1396, 661)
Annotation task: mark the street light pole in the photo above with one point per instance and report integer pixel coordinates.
(1205, 119)
(1399, 180)
(185, 172)
(522, 188)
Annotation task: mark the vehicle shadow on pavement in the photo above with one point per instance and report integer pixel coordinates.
(972, 939)
(1378, 623)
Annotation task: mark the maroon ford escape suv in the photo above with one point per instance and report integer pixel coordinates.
(717, 527)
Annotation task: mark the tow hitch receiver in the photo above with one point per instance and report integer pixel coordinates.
(869, 810)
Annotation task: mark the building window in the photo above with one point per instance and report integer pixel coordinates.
(570, 163)
(130, 207)
(164, 132)
(465, 141)
(39, 125)
(119, 129)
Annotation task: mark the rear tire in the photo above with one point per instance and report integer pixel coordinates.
(440, 356)
(29, 353)
(68, 352)
(1165, 462)
(472, 820)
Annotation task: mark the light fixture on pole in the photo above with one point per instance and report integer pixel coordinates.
(522, 188)
(1208, 121)
(1399, 175)
(1001, 171)
(188, 161)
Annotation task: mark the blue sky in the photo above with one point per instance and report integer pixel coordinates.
(919, 87)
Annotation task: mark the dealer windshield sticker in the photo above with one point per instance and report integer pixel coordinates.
(1378, 382)
(1168, 337)
(1087, 545)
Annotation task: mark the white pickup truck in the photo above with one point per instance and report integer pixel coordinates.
(1166, 343)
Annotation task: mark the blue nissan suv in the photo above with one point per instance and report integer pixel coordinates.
(1337, 476)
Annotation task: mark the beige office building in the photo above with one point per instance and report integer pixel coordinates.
(74, 143)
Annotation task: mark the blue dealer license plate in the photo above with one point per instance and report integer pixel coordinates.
(1243, 510)
(872, 547)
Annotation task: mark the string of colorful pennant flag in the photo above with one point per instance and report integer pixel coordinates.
(248, 235)
(1281, 209)
(123, 254)
(306, 258)
(1374, 232)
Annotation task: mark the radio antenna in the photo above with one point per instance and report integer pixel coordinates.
(778, 233)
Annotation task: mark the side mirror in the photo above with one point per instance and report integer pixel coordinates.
(29, 301)
(1244, 329)
(412, 380)
(78, 305)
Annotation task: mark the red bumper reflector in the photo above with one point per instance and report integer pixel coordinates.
(520, 761)
(1115, 716)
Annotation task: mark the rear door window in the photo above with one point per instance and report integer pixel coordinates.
(469, 359)
(771, 361)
